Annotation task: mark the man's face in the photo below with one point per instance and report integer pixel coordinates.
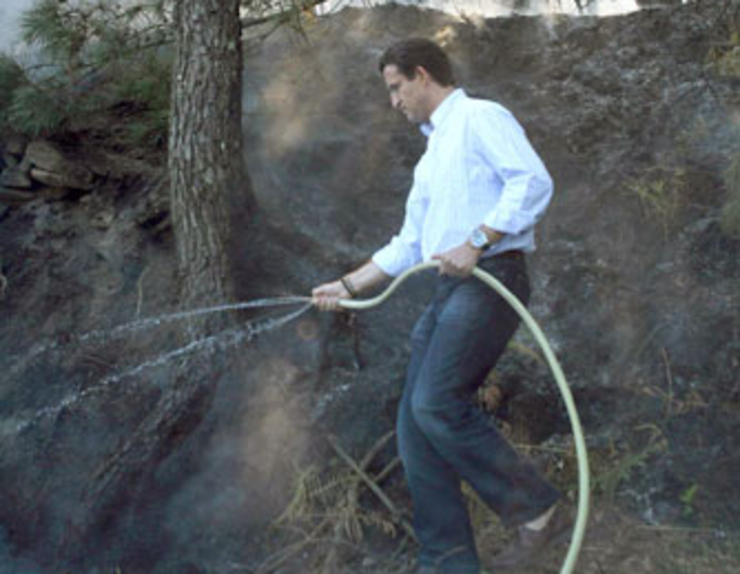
(409, 96)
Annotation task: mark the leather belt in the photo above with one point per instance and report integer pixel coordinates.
(511, 254)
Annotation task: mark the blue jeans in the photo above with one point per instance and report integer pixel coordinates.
(444, 437)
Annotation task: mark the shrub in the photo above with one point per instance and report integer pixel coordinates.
(88, 58)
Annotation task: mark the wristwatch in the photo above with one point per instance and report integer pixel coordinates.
(479, 239)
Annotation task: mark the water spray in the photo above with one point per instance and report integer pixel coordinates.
(579, 529)
(217, 341)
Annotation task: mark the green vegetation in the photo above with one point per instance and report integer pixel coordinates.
(661, 193)
(618, 466)
(663, 190)
(89, 59)
(687, 498)
(96, 56)
(725, 58)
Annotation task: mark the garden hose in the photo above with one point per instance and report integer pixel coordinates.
(580, 444)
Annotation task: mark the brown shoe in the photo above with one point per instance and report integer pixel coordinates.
(531, 544)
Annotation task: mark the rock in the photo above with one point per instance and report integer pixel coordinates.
(25, 165)
(15, 196)
(56, 193)
(9, 160)
(51, 167)
(75, 177)
(15, 145)
(15, 178)
(102, 218)
(45, 155)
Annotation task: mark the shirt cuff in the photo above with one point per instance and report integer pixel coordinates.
(391, 263)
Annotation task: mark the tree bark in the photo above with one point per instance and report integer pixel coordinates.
(212, 206)
(211, 193)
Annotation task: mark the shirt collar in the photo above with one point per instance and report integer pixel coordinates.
(442, 112)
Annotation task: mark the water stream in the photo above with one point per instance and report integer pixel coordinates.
(104, 335)
(209, 344)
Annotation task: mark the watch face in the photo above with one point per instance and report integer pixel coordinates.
(478, 239)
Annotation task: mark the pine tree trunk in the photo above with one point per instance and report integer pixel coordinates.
(211, 194)
(211, 203)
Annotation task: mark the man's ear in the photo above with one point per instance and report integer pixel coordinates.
(420, 72)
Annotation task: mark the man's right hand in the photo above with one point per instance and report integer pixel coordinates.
(327, 296)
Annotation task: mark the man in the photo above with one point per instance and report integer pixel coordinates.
(478, 191)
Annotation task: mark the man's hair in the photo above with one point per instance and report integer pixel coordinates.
(406, 55)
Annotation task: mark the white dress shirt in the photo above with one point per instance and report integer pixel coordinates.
(478, 168)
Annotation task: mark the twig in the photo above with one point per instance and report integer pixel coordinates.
(383, 474)
(669, 378)
(140, 290)
(352, 501)
(373, 486)
(97, 361)
(278, 559)
(376, 448)
(3, 285)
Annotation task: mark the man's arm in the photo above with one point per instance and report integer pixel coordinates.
(459, 261)
(327, 296)
(527, 186)
(400, 253)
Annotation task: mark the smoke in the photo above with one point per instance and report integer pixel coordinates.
(500, 8)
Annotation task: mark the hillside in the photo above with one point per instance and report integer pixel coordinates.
(636, 283)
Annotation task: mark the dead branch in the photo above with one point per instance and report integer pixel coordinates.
(390, 467)
(372, 485)
(669, 380)
(351, 496)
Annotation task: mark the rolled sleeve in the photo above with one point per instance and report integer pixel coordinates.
(527, 186)
(395, 258)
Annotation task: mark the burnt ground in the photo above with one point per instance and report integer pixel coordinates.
(635, 284)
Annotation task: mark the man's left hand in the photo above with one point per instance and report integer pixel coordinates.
(459, 261)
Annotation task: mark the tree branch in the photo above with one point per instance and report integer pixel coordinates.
(281, 16)
(373, 486)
